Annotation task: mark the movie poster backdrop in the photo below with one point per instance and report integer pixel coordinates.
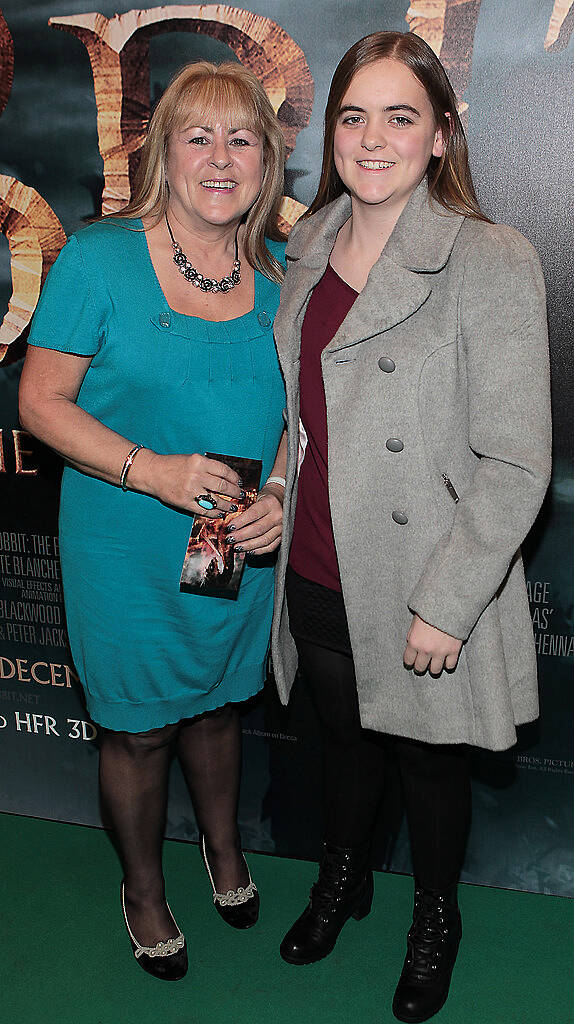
(76, 90)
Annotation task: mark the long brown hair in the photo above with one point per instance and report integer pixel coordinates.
(202, 90)
(449, 178)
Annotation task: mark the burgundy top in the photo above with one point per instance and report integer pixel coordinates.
(313, 552)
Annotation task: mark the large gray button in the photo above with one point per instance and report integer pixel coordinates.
(394, 444)
(387, 364)
(400, 518)
(164, 319)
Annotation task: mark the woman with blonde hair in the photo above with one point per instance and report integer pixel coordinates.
(412, 336)
(152, 345)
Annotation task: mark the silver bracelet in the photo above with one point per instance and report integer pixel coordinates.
(128, 464)
(275, 480)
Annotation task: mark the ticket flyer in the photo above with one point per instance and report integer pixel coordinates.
(211, 565)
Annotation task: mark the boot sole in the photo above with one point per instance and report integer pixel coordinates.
(304, 962)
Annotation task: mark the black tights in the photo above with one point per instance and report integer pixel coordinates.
(134, 770)
(435, 778)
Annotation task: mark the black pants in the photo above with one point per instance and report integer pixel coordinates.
(435, 778)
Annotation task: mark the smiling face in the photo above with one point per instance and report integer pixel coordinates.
(214, 170)
(385, 136)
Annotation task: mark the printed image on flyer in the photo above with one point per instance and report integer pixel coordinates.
(211, 565)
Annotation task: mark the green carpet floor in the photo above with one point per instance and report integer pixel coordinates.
(65, 957)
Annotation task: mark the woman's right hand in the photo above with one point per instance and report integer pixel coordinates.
(178, 480)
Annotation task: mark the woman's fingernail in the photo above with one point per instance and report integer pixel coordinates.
(221, 515)
(240, 483)
(233, 508)
(229, 529)
(238, 547)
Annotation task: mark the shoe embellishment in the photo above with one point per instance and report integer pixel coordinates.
(165, 948)
(235, 897)
(161, 948)
(238, 907)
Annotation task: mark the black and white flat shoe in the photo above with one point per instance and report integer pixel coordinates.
(166, 960)
(238, 907)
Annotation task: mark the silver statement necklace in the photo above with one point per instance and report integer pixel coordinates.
(205, 284)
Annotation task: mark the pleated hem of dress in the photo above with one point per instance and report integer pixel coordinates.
(129, 716)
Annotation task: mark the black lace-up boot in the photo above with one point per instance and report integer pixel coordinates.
(432, 945)
(344, 889)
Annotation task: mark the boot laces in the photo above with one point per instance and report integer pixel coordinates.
(426, 940)
(332, 886)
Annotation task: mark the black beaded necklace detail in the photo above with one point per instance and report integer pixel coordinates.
(205, 284)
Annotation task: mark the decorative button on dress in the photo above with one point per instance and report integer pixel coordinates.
(146, 653)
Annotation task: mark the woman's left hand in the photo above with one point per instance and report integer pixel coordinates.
(430, 648)
(257, 531)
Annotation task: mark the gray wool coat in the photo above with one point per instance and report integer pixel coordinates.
(445, 350)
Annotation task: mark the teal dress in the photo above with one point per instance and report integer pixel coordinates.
(148, 654)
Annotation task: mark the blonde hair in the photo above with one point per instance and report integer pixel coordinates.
(449, 178)
(204, 93)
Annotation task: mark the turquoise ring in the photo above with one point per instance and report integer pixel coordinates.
(205, 501)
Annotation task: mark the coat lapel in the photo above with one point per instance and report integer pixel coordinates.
(400, 282)
(397, 286)
(307, 254)
(391, 295)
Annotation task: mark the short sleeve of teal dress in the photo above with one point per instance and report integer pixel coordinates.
(146, 653)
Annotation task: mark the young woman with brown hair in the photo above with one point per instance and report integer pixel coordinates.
(412, 336)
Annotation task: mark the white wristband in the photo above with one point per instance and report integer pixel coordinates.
(276, 480)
